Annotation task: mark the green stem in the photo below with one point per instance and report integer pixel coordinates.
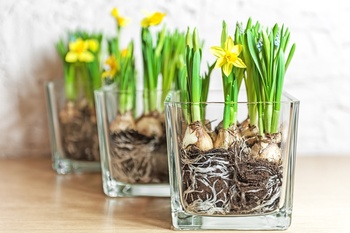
(127, 82)
(268, 116)
(260, 119)
(122, 102)
(196, 112)
(234, 94)
(227, 113)
(69, 83)
(86, 79)
(275, 121)
(153, 100)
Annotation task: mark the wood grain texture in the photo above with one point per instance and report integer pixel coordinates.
(34, 199)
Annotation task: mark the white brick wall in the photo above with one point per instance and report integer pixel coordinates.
(319, 74)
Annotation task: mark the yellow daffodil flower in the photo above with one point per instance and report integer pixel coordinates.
(113, 67)
(121, 21)
(228, 56)
(152, 19)
(78, 51)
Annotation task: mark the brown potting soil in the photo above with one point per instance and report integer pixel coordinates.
(136, 158)
(225, 182)
(79, 135)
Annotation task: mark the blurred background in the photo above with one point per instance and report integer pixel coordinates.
(319, 75)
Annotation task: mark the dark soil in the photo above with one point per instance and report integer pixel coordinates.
(221, 181)
(136, 158)
(79, 134)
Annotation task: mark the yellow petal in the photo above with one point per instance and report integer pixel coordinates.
(239, 63)
(93, 45)
(78, 46)
(71, 57)
(108, 74)
(72, 46)
(229, 44)
(237, 49)
(217, 51)
(122, 21)
(145, 23)
(220, 62)
(115, 12)
(152, 19)
(156, 18)
(110, 61)
(227, 68)
(86, 57)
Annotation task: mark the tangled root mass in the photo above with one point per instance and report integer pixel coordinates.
(229, 181)
(137, 158)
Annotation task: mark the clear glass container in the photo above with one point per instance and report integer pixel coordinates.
(133, 144)
(245, 184)
(73, 132)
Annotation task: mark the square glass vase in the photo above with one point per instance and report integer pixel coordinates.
(73, 131)
(133, 142)
(244, 178)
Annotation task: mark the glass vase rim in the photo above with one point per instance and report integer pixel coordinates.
(112, 88)
(288, 99)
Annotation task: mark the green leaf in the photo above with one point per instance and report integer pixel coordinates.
(290, 56)
(253, 51)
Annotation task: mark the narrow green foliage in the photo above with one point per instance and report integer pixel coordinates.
(264, 54)
(121, 69)
(172, 56)
(151, 55)
(193, 86)
(241, 38)
(82, 74)
(127, 81)
(196, 83)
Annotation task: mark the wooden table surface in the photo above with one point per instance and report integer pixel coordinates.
(34, 199)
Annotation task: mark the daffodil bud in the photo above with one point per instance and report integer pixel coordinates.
(223, 33)
(196, 45)
(188, 38)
